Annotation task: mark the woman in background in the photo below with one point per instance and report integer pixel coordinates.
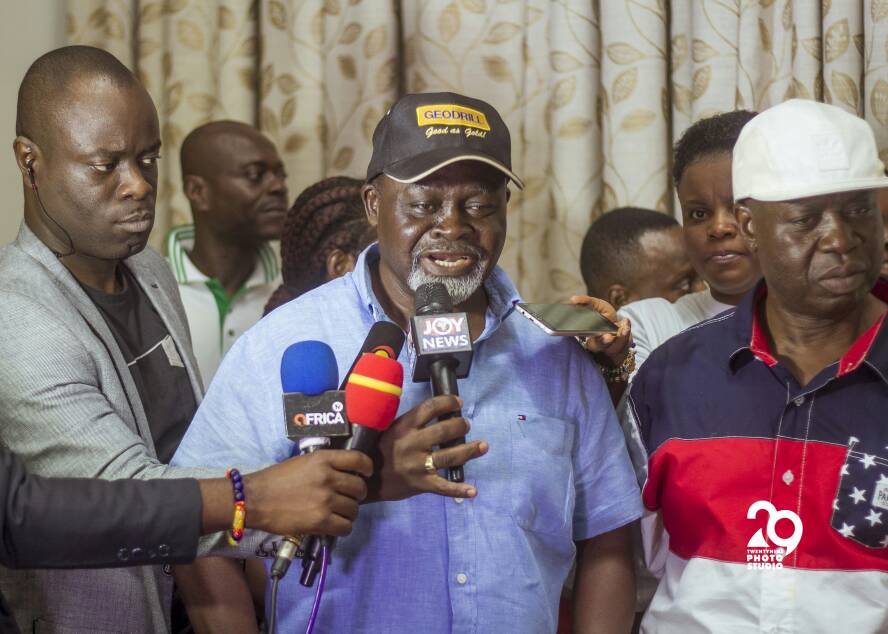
(325, 230)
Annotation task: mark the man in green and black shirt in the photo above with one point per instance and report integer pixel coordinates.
(236, 184)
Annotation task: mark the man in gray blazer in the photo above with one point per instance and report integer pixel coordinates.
(97, 377)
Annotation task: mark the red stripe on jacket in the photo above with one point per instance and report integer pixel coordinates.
(704, 488)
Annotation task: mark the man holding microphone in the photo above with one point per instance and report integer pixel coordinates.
(553, 478)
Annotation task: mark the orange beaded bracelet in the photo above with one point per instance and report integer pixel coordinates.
(236, 532)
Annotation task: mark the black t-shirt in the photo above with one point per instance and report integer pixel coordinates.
(153, 360)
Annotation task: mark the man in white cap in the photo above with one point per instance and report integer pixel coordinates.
(767, 476)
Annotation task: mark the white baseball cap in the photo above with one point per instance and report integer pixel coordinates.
(803, 148)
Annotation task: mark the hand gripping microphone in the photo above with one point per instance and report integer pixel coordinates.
(372, 396)
(314, 410)
(443, 347)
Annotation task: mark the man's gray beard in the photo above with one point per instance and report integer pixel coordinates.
(460, 288)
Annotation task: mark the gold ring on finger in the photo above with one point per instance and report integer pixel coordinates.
(430, 464)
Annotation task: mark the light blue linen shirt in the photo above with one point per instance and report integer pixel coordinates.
(557, 471)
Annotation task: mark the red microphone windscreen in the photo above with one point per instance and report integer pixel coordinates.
(373, 391)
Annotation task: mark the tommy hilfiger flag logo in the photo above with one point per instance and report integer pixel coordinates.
(860, 509)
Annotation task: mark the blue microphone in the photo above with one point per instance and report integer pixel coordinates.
(309, 367)
(313, 407)
(314, 410)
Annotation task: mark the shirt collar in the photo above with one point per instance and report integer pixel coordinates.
(501, 293)
(180, 240)
(751, 337)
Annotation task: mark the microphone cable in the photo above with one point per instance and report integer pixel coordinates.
(325, 559)
(275, 582)
(71, 250)
(312, 619)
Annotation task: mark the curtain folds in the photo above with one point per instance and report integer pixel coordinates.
(594, 92)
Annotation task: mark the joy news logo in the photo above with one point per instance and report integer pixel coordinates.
(444, 333)
(769, 553)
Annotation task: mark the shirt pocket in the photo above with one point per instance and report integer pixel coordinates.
(860, 508)
(542, 496)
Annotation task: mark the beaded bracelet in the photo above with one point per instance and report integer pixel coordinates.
(236, 532)
(622, 372)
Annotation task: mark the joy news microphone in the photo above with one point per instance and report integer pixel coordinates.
(314, 411)
(381, 347)
(443, 347)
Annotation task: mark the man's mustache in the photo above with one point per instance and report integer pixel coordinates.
(464, 248)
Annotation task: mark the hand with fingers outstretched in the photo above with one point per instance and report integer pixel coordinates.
(409, 461)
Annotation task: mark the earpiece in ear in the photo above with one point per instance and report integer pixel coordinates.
(29, 165)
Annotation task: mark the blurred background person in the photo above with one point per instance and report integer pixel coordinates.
(235, 182)
(630, 254)
(325, 230)
(702, 176)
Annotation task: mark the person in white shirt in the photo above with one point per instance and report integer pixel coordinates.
(235, 182)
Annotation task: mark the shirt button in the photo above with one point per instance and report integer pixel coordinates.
(788, 477)
(799, 401)
(163, 550)
(461, 579)
(458, 500)
(230, 333)
(123, 554)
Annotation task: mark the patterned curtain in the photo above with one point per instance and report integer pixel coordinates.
(594, 91)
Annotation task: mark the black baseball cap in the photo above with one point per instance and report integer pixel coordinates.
(423, 132)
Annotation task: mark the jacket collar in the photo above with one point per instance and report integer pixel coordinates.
(749, 337)
(180, 240)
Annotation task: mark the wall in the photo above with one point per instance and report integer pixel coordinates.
(29, 29)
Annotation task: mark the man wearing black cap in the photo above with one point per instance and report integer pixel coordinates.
(490, 554)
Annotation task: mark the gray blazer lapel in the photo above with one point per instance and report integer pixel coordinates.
(32, 245)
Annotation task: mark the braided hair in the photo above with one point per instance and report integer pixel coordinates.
(326, 216)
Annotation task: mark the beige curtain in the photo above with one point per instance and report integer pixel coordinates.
(595, 92)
